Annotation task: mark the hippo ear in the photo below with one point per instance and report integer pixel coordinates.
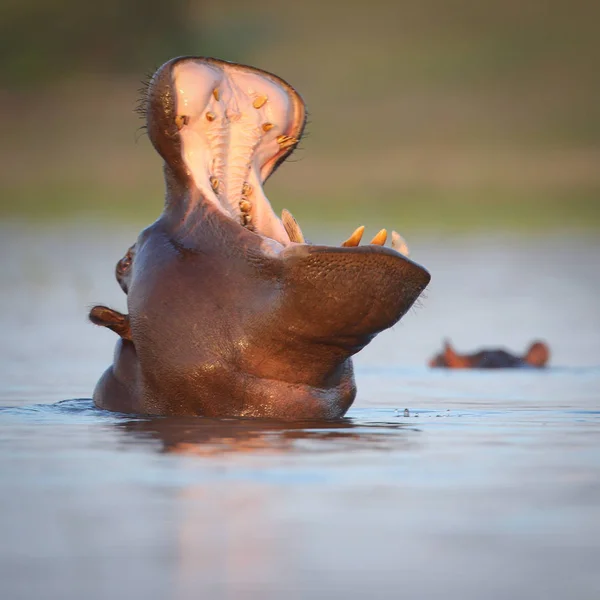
(347, 295)
(451, 358)
(114, 320)
(537, 354)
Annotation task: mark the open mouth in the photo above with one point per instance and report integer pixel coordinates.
(235, 124)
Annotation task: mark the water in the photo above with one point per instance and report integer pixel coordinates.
(437, 484)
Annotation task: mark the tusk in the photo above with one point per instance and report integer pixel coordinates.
(380, 238)
(354, 239)
(398, 244)
(291, 227)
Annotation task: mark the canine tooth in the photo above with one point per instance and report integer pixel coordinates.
(285, 141)
(246, 189)
(245, 206)
(210, 116)
(259, 102)
(181, 120)
(399, 244)
(214, 183)
(247, 219)
(380, 238)
(291, 227)
(354, 239)
(267, 127)
(216, 94)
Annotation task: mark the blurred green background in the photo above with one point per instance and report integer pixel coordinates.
(424, 114)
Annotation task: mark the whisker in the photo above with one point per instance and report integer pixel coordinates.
(141, 131)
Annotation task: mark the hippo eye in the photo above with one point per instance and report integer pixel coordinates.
(124, 264)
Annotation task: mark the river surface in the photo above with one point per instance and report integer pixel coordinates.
(437, 484)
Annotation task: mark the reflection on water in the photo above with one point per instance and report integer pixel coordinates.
(437, 484)
(213, 437)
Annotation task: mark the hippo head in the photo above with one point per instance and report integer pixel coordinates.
(231, 311)
(537, 355)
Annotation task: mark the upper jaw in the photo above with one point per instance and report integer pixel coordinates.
(223, 128)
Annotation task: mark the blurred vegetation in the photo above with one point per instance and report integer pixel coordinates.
(423, 113)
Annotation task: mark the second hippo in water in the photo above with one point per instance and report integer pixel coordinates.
(537, 355)
(230, 311)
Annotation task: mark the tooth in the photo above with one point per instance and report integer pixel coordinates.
(286, 141)
(267, 127)
(247, 219)
(259, 102)
(354, 239)
(210, 116)
(398, 243)
(379, 239)
(181, 120)
(214, 182)
(291, 227)
(216, 94)
(246, 189)
(245, 206)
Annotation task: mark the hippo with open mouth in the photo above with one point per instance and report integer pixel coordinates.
(231, 312)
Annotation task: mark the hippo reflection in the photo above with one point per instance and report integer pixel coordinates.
(537, 355)
(215, 437)
(230, 311)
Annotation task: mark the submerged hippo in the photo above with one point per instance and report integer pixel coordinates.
(231, 312)
(537, 355)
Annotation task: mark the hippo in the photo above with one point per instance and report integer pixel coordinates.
(537, 355)
(231, 312)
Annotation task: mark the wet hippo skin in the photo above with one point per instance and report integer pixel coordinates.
(230, 311)
(537, 355)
